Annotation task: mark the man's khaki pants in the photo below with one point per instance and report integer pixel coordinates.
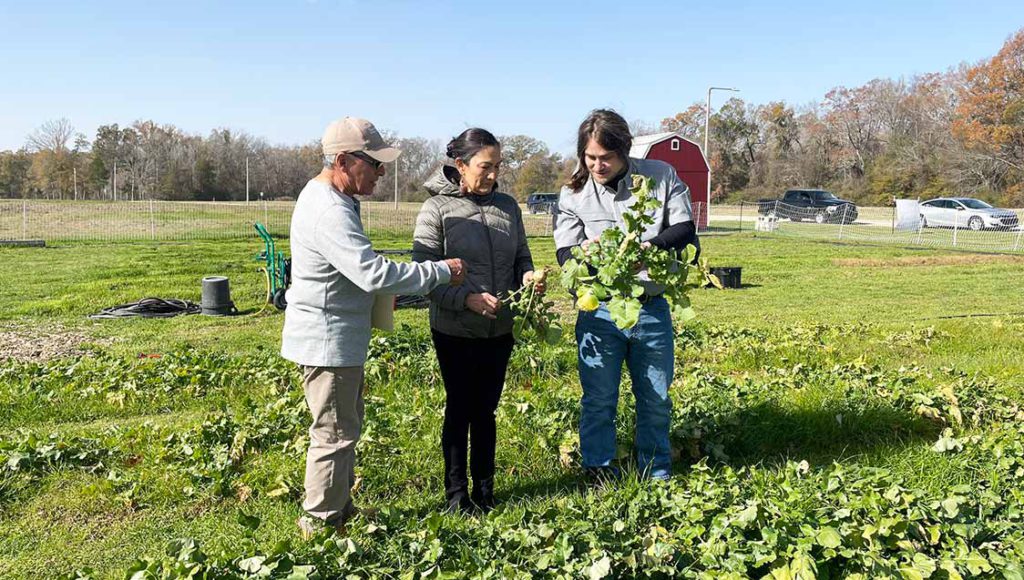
(335, 399)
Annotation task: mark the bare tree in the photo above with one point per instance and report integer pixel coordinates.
(420, 157)
(639, 128)
(52, 168)
(51, 136)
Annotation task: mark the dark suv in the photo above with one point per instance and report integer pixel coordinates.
(542, 202)
(815, 205)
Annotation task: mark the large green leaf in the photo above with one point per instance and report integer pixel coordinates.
(571, 273)
(691, 252)
(625, 312)
(685, 314)
(829, 537)
(553, 334)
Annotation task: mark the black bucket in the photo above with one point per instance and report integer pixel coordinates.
(217, 297)
(730, 277)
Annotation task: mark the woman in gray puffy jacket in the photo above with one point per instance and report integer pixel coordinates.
(467, 218)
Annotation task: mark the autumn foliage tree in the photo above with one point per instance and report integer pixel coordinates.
(958, 132)
(990, 114)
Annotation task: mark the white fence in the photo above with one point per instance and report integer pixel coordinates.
(963, 231)
(59, 221)
(136, 220)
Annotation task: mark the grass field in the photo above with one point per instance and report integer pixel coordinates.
(63, 221)
(850, 411)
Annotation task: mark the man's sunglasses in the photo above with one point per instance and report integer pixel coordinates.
(373, 162)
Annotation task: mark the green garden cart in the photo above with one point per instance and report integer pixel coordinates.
(277, 269)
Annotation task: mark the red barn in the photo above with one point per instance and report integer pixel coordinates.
(689, 161)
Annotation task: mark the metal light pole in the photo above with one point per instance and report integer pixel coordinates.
(396, 184)
(707, 126)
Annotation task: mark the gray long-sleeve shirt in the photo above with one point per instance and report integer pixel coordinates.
(585, 214)
(335, 273)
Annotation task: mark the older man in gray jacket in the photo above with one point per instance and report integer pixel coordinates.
(335, 274)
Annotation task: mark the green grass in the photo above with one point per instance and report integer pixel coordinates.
(837, 355)
(64, 221)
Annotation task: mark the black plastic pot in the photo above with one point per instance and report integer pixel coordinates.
(729, 276)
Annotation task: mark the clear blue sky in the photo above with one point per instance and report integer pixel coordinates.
(283, 69)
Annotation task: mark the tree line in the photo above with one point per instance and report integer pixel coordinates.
(147, 160)
(956, 132)
(960, 132)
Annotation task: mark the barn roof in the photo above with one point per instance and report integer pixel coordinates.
(642, 145)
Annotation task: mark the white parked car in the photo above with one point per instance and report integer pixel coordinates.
(965, 212)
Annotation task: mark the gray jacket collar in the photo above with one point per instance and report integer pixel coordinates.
(444, 181)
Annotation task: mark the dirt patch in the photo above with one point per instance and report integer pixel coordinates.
(946, 260)
(33, 343)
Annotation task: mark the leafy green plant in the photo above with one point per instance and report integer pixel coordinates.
(606, 270)
(534, 319)
(404, 350)
(212, 453)
(29, 452)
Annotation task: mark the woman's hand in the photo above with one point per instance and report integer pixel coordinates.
(483, 303)
(538, 279)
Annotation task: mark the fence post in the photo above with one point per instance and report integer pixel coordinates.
(741, 216)
(956, 227)
(920, 228)
(24, 219)
(152, 221)
(1020, 232)
(842, 221)
(266, 214)
(893, 231)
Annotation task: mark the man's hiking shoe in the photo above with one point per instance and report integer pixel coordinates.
(310, 527)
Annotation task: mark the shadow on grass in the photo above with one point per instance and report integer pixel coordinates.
(569, 482)
(743, 286)
(767, 434)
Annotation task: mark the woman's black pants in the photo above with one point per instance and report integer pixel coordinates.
(473, 370)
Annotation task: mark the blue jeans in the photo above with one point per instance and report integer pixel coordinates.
(647, 350)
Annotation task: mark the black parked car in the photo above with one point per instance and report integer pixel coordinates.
(815, 205)
(542, 202)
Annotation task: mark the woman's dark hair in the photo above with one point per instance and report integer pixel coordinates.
(610, 131)
(469, 143)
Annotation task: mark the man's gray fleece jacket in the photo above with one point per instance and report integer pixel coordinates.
(487, 232)
(335, 274)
